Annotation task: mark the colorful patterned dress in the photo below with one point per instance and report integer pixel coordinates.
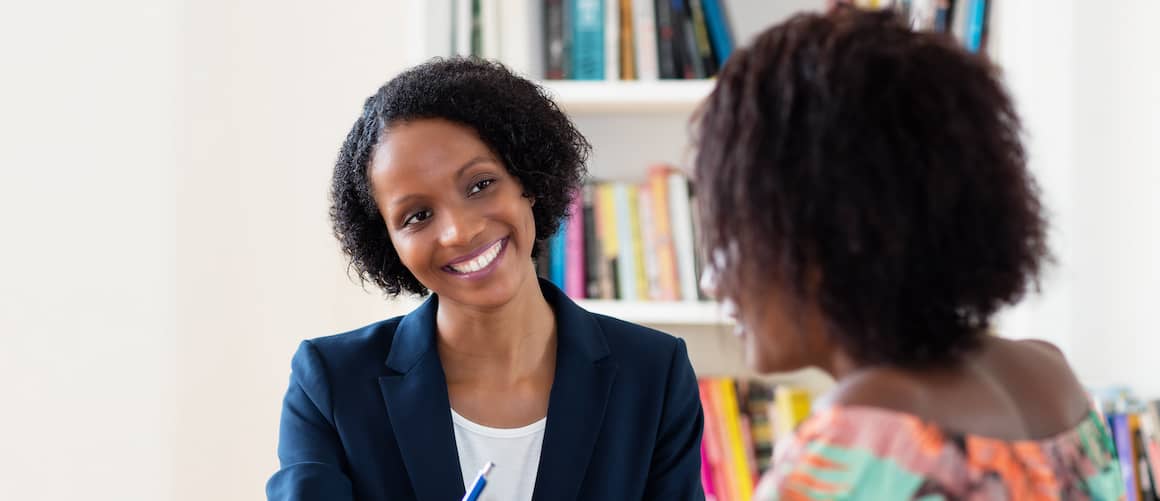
(877, 454)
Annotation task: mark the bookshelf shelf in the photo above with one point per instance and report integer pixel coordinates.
(658, 313)
(628, 96)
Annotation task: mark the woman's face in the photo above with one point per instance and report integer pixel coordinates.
(457, 218)
(778, 331)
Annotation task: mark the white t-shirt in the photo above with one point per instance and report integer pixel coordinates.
(515, 452)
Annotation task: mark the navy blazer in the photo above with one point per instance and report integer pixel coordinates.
(624, 415)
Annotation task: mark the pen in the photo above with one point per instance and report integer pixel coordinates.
(479, 484)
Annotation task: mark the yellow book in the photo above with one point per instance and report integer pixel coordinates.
(791, 407)
(606, 232)
(640, 279)
(740, 469)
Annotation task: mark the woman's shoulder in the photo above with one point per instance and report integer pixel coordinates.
(369, 344)
(627, 338)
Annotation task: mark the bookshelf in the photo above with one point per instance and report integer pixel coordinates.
(660, 96)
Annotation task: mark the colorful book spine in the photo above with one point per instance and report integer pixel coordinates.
(640, 268)
(719, 32)
(556, 51)
(575, 283)
(608, 234)
(644, 30)
(592, 250)
(666, 259)
(587, 39)
(701, 35)
(626, 257)
(682, 226)
(976, 25)
(715, 439)
(625, 43)
(740, 478)
(666, 41)
(611, 39)
(557, 254)
(1122, 436)
(650, 270)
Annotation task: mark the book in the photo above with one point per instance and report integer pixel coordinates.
(682, 228)
(666, 260)
(587, 39)
(791, 407)
(626, 43)
(650, 273)
(521, 44)
(626, 256)
(720, 34)
(575, 282)
(739, 469)
(1125, 452)
(556, 53)
(557, 253)
(644, 38)
(592, 251)
(976, 31)
(489, 22)
(607, 233)
(611, 39)
(701, 36)
(667, 65)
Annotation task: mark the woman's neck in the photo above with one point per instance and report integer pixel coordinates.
(508, 342)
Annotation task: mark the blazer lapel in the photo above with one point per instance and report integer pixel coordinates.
(584, 376)
(419, 409)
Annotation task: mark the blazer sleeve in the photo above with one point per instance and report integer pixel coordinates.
(309, 450)
(675, 472)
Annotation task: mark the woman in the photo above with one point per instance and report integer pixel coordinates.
(866, 199)
(450, 181)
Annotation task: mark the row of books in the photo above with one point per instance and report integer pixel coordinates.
(628, 241)
(743, 420)
(966, 20)
(1135, 428)
(587, 39)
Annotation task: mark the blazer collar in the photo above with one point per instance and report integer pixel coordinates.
(419, 409)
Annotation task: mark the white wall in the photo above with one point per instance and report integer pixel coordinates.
(270, 89)
(87, 288)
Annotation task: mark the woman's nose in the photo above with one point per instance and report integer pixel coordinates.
(460, 228)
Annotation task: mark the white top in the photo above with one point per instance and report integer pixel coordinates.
(515, 452)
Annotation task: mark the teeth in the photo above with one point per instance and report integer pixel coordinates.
(481, 261)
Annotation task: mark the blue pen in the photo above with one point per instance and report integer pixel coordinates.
(479, 484)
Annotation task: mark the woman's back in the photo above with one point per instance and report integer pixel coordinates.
(1009, 422)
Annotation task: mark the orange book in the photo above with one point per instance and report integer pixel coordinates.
(627, 49)
(666, 254)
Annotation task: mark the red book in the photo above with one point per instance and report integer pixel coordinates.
(574, 265)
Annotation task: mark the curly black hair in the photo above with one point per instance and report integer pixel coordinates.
(515, 118)
(886, 161)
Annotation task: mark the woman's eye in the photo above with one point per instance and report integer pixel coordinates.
(480, 186)
(417, 217)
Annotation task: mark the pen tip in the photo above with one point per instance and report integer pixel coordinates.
(487, 468)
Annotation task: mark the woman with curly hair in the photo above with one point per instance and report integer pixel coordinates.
(448, 184)
(867, 209)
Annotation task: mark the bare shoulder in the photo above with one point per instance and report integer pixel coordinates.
(881, 387)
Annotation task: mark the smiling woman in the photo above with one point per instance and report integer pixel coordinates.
(448, 184)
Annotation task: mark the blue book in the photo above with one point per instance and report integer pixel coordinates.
(587, 39)
(719, 33)
(557, 252)
(976, 22)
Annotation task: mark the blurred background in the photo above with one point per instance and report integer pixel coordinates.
(164, 168)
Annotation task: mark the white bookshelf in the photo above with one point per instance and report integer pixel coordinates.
(671, 96)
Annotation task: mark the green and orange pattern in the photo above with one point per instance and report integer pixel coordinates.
(868, 453)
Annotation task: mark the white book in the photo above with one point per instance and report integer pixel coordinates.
(462, 30)
(644, 32)
(522, 37)
(612, 39)
(682, 225)
(652, 271)
(490, 28)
